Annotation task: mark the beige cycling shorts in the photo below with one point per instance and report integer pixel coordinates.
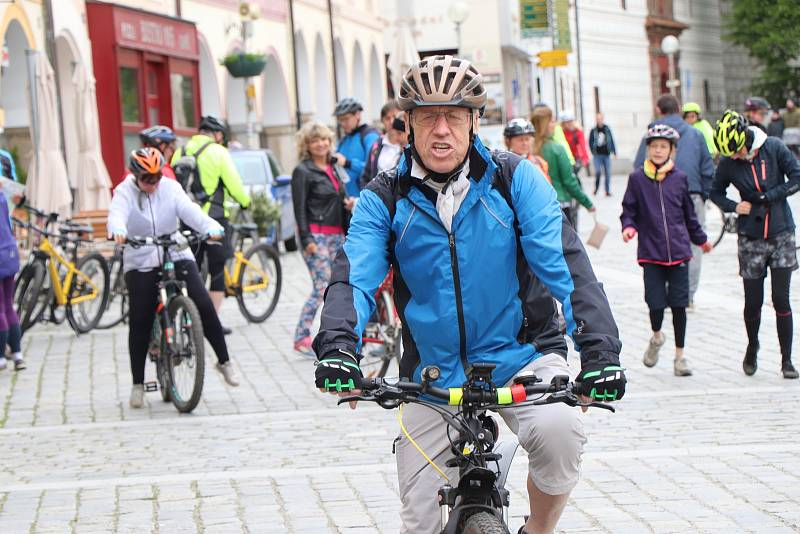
(552, 435)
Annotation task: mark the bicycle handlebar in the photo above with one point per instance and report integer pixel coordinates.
(389, 392)
(166, 240)
(63, 232)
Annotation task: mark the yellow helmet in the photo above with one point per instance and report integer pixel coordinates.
(730, 133)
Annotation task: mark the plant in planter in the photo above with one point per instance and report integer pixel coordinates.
(266, 213)
(244, 65)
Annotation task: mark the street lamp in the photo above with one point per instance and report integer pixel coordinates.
(458, 12)
(670, 46)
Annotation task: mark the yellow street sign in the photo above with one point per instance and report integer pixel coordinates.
(552, 58)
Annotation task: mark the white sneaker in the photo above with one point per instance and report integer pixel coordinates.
(229, 373)
(137, 396)
(3, 363)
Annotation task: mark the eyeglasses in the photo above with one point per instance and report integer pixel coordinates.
(150, 179)
(426, 117)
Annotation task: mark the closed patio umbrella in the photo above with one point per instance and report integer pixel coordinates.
(93, 185)
(404, 55)
(48, 184)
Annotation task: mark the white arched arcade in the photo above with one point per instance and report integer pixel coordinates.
(376, 85)
(210, 103)
(275, 99)
(359, 85)
(342, 87)
(303, 75)
(323, 97)
(14, 78)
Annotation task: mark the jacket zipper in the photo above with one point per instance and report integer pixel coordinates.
(462, 336)
(664, 217)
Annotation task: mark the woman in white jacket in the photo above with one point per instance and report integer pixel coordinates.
(145, 205)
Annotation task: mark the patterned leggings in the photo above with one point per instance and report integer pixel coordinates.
(319, 266)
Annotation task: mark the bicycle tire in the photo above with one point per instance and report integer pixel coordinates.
(190, 358)
(82, 317)
(716, 223)
(162, 372)
(117, 296)
(394, 352)
(269, 263)
(27, 294)
(484, 523)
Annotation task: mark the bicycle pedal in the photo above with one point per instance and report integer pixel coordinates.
(151, 386)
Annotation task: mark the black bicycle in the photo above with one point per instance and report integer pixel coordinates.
(479, 503)
(176, 343)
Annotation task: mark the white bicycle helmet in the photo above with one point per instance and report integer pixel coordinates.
(442, 81)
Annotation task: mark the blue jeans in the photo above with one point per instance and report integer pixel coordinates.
(602, 162)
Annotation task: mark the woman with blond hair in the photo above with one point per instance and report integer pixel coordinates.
(322, 212)
(564, 180)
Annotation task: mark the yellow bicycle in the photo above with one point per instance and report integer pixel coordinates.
(80, 285)
(254, 277)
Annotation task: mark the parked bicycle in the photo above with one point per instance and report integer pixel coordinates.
(252, 275)
(479, 503)
(116, 310)
(382, 338)
(78, 286)
(176, 344)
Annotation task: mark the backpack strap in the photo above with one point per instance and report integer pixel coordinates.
(502, 182)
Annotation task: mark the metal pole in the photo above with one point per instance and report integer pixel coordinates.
(297, 112)
(580, 69)
(551, 14)
(30, 56)
(333, 58)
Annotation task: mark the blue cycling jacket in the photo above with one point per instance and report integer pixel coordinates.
(457, 293)
(355, 148)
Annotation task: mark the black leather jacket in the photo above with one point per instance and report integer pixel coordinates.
(316, 200)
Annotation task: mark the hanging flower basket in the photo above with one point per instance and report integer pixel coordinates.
(245, 65)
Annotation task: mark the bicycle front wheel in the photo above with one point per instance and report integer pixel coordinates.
(28, 294)
(117, 306)
(89, 295)
(186, 357)
(385, 335)
(715, 223)
(259, 283)
(484, 523)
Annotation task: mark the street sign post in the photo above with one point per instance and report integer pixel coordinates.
(552, 58)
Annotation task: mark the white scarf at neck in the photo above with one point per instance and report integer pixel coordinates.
(447, 200)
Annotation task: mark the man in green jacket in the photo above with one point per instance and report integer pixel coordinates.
(692, 115)
(220, 181)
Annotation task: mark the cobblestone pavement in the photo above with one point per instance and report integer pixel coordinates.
(715, 452)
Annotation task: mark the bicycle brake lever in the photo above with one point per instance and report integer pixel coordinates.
(600, 405)
(356, 398)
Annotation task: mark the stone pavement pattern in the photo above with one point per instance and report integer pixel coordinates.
(716, 452)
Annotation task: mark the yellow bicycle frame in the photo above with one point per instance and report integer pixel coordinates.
(231, 280)
(61, 290)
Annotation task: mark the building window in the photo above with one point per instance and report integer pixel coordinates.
(183, 101)
(129, 85)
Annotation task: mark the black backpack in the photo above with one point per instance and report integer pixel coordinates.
(187, 172)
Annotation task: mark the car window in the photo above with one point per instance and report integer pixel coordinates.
(251, 168)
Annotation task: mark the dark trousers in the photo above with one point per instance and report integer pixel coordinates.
(143, 291)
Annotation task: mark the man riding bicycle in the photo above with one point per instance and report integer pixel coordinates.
(453, 221)
(220, 181)
(145, 205)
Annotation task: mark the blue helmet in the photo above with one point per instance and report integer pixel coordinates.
(155, 135)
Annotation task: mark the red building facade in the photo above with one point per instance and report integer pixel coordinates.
(146, 67)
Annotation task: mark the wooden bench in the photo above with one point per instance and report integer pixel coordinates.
(97, 220)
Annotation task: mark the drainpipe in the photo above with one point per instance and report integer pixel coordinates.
(50, 49)
(298, 113)
(178, 8)
(333, 57)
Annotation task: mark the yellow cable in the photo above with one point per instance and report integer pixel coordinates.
(414, 443)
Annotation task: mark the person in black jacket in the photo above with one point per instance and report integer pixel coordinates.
(758, 166)
(321, 210)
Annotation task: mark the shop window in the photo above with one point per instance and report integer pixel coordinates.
(129, 85)
(183, 101)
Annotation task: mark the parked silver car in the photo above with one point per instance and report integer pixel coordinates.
(261, 174)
